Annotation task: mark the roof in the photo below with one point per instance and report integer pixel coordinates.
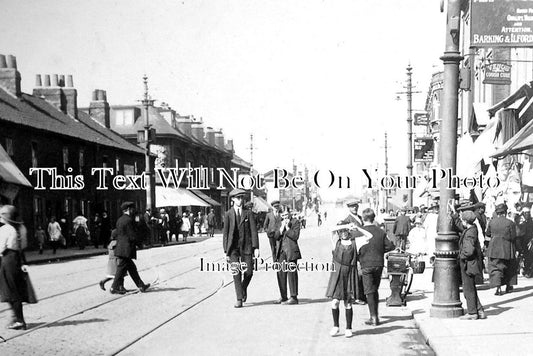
(31, 111)
(240, 162)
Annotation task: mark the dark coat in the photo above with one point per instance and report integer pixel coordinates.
(502, 232)
(470, 254)
(371, 254)
(341, 271)
(211, 219)
(247, 232)
(402, 225)
(288, 242)
(126, 238)
(272, 225)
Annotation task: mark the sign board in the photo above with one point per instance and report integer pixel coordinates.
(497, 73)
(423, 148)
(501, 23)
(421, 119)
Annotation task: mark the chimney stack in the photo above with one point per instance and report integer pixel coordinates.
(229, 145)
(71, 96)
(197, 129)
(99, 107)
(51, 92)
(9, 75)
(219, 139)
(210, 136)
(184, 124)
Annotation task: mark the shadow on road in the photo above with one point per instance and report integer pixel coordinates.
(76, 322)
(168, 289)
(377, 330)
(392, 319)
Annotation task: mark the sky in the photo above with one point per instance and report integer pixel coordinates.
(314, 81)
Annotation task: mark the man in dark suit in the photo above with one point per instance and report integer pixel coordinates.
(354, 218)
(126, 251)
(402, 226)
(211, 222)
(502, 251)
(372, 260)
(288, 254)
(272, 225)
(240, 242)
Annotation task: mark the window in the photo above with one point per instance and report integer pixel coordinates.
(124, 117)
(9, 146)
(135, 170)
(81, 159)
(34, 162)
(104, 161)
(65, 157)
(117, 165)
(211, 175)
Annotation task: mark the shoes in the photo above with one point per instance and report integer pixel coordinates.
(17, 326)
(482, 315)
(509, 289)
(499, 291)
(118, 291)
(334, 331)
(348, 333)
(291, 301)
(280, 300)
(244, 296)
(144, 288)
(374, 321)
(360, 302)
(238, 303)
(102, 285)
(469, 317)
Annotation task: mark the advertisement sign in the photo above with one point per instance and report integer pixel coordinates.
(423, 149)
(421, 119)
(501, 23)
(497, 73)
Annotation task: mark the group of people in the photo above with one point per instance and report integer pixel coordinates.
(164, 226)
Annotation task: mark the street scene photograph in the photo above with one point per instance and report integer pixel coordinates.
(283, 177)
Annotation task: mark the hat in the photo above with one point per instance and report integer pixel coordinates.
(468, 216)
(9, 213)
(274, 202)
(501, 209)
(479, 205)
(465, 204)
(126, 205)
(352, 202)
(236, 192)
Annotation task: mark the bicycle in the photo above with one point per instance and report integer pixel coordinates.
(401, 267)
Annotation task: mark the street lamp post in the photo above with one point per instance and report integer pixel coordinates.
(409, 132)
(446, 302)
(146, 103)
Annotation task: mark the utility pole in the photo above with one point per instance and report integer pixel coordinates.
(386, 173)
(446, 302)
(252, 163)
(146, 103)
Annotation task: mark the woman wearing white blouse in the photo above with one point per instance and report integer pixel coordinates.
(12, 284)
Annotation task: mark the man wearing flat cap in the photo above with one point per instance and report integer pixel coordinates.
(502, 251)
(126, 251)
(272, 225)
(402, 226)
(240, 242)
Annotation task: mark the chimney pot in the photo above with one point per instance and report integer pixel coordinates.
(11, 61)
(3, 63)
(100, 95)
(38, 81)
(55, 80)
(95, 95)
(70, 81)
(47, 80)
(99, 108)
(61, 81)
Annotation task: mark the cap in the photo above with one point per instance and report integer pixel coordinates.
(468, 216)
(236, 192)
(479, 205)
(352, 202)
(274, 203)
(126, 205)
(501, 209)
(465, 204)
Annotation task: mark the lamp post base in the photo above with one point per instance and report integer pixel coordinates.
(444, 312)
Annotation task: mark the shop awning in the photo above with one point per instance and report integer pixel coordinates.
(520, 142)
(205, 197)
(524, 91)
(470, 154)
(176, 197)
(9, 172)
(260, 205)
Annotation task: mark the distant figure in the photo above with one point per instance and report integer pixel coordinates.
(163, 226)
(54, 231)
(211, 223)
(402, 226)
(185, 226)
(272, 225)
(325, 215)
(80, 230)
(40, 236)
(319, 222)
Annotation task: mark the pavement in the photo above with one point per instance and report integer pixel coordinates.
(507, 329)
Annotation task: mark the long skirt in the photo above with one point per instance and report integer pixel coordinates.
(502, 272)
(12, 282)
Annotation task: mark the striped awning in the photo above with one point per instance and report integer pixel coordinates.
(176, 197)
(205, 197)
(9, 172)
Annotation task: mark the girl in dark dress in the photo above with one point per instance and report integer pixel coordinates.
(343, 282)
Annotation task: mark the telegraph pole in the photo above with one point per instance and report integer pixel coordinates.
(252, 163)
(386, 173)
(146, 103)
(409, 132)
(446, 302)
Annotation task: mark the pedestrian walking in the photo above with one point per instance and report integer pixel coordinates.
(81, 231)
(112, 262)
(126, 251)
(372, 263)
(471, 265)
(96, 230)
(343, 280)
(211, 223)
(13, 286)
(163, 226)
(185, 226)
(288, 254)
(271, 226)
(319, 217)
(402, 226)
(502, 251)
(54, 231)
(40, 236)
(240, 243)
(416, 240)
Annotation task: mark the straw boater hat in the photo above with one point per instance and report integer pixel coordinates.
(9, 213)
(352, 202)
